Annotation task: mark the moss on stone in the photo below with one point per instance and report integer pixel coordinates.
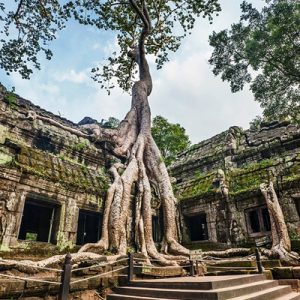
(63, 244)
(197, 187)
(5, 159)
(250, 177)
(69, 173)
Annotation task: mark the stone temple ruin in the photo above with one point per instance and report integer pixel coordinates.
(53, 183)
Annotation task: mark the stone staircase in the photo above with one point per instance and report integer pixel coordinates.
(233, 287)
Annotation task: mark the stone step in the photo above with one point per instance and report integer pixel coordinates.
(245, 263)
(215, 294)
(129, 297)
(290, 296)
(277, 292)
(193, 283)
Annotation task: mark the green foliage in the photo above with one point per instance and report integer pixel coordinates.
(110, 123)
(80, 146)
(11, 100)
(9, 96)
(170, 138)
(29, 26)
(256, 123)
(267, 42)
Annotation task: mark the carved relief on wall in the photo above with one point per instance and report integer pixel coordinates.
(236, 234)
(3, 220)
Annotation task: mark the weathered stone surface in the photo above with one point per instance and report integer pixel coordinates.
(47, 164)
(247, 159)
(282, 273)
(159, 271)
(294, 283)
(296, 272)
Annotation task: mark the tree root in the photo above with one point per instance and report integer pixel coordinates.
(54, 262)
(288, 258)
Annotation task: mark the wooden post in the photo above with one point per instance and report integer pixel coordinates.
(192, 269)
(65, 279)
(130, 267)
(260, 268)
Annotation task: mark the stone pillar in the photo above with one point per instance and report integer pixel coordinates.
(11, 218)
(66, 237)
(71, 222)
(211, 222)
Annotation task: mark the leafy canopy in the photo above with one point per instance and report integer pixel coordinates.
(263, 49)
(29, 25)
(170, 138)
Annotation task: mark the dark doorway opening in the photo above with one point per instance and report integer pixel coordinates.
(198, 227)
(89, 227)
(39, 221)
(157, 229)
(254, 221)
(258, 220)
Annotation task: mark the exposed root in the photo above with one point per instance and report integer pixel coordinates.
(281, 243)
(288, 258)
(143, 164)
(228, 253)
(33, 267)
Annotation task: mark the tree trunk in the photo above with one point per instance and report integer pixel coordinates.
(281, 243)
(144, 168)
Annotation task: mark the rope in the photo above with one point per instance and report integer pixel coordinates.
(98, 275)
(99, 265)
(159, 260)
(37, 267)
(29, 279)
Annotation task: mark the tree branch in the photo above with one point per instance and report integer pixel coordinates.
(18, 9)
(140, 14)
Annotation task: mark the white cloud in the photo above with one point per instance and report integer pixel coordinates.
(186, 92)
(71, 76)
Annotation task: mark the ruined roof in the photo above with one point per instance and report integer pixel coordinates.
(248, 157)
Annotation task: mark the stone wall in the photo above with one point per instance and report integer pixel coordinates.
(221, 176)
(217, 181)
(45, 163)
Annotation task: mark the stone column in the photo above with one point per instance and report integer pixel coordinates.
(12, 211)
(68, 224)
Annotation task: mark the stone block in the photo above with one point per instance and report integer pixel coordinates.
(159, 271)
(296, 272)
(282, 273)
(268, 274)
(270, 264)
(95, 282)
(236, 263)
(8, 286)
(79, 286)
(294, 283)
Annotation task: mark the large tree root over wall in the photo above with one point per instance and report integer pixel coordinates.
(140, 170)
(144, 169)
(281, 244)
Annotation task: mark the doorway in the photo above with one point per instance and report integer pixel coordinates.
(89, 227)
(197, 227)
(38, 221)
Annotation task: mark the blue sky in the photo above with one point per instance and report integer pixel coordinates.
(185, 90)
